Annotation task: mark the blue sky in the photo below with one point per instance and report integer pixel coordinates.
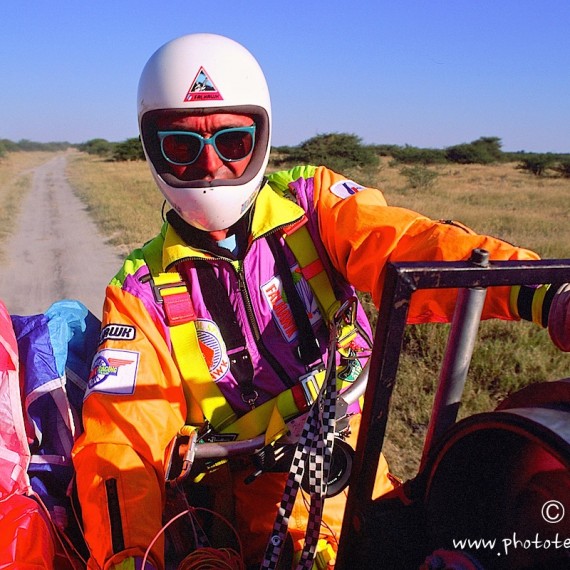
(429, 73)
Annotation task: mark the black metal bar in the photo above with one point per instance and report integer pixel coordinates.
(381, 380)
(401, 281)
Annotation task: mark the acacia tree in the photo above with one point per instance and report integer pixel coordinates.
(537, 164)
(131, 149)
(98, 147)
(484, 150)
(563, 167)
(338, 151)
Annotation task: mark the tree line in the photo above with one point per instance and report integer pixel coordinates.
(342, 151)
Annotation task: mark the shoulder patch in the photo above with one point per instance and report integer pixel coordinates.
(117, 331)
(113, 372)
(345, 188)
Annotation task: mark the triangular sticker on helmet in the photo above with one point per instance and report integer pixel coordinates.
(203, 88)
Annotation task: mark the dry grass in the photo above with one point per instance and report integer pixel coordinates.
(499, 200)
(15, 180)
(121, 196)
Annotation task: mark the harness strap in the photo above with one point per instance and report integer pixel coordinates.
(205, 400)
(223, 314)
(312, 456)
(170, 289)
(309, 350)
(290, 403)
(299, 240)
(199, 388)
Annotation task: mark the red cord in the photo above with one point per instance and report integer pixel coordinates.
(212, 559)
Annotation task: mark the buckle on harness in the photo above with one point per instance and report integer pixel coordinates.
(180, 454)
(344, 321)
(250, 398)
(306, 391)
(310, 387)
(176, 301)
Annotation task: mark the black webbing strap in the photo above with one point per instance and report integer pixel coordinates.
(223, 314)
(309, 350)
(312, 457)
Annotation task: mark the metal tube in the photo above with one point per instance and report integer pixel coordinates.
(453, 374)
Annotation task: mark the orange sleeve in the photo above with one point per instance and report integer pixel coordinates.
(133, 408)
(362, 234)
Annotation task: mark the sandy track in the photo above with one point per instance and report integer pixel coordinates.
(56, 252)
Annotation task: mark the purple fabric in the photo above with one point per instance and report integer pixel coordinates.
(258, 296)
(559, 318)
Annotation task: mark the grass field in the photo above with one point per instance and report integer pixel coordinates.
(499, 200)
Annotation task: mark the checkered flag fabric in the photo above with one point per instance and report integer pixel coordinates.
(312, 453)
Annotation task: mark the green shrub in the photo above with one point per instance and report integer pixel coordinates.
(414, 155)
(419, 177)
(97, 147)
(563, 168)
(338, 151)
(537, 164)
(484, 150)
(131, 149)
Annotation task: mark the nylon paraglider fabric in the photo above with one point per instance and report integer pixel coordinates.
(25, 536)
(14, 452)
(26, 539)
(44, 364)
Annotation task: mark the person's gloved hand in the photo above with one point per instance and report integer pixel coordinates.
(132, 563)
(559, 318)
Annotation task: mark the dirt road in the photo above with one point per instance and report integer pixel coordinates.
(56, 252)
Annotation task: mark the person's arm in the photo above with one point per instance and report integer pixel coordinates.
(362, 234)
(134, 406)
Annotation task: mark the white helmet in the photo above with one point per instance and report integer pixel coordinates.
(173, 79)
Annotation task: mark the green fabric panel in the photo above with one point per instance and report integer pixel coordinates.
(279, 181)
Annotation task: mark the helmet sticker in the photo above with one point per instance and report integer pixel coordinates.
(203, 88)
(213, 348)
(346, 188)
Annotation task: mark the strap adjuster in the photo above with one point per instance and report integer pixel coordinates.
(178, 309)
(306, 391)
(176, 301)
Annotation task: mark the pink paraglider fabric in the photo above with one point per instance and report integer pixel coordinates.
(26, 541)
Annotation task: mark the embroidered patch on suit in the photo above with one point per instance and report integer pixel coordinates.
(346, 188)
(115, 331)
(213, 348)
(113, 372)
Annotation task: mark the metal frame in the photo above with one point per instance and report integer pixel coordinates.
(401, 281)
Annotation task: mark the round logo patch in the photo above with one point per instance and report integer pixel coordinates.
(213, 347)
(346, 188)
